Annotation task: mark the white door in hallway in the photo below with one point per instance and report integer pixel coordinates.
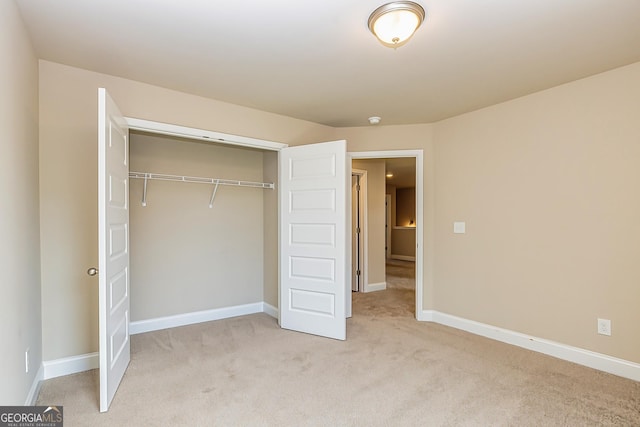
(113, 241)
(314, 263)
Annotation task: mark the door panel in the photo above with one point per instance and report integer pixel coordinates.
(113, 241)
(313, 256)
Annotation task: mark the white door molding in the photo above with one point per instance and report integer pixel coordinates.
(364, 228)
(420, 224)
(201, 134)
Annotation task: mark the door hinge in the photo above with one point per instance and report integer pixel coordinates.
(357, 272)
(358, 230)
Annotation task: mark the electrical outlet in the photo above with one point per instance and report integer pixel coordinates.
(26, 360)
(604, 327)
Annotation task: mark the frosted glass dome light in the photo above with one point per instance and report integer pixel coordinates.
(394, 23)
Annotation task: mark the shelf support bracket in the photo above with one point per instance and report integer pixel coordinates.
(144, 190)
(213, 195)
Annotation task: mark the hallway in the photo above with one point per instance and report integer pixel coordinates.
(398, 300)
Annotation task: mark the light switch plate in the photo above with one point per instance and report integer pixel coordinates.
(459, 227)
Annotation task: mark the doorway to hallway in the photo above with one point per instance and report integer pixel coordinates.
(374, 262)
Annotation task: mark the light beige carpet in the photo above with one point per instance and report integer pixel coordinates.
(401, 274)
(391, 371)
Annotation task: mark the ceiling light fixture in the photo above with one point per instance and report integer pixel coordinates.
(374, 120)
(394, 23)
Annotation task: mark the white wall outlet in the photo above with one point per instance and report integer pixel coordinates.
(604, 327)
(26, 361)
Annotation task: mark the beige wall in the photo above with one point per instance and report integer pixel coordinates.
(375, 262)
(68, 168)
(20, 321)
(403, 240)
(549, 187)
(185, 256)
(405, 207)
(546, 183)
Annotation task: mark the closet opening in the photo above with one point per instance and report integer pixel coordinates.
(199, 212)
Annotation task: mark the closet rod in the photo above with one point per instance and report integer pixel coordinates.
(199, 180)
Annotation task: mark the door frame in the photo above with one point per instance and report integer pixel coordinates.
(420, 224)
(364, 278)
(388, 226)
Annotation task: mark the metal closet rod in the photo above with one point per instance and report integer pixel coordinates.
(196, 180)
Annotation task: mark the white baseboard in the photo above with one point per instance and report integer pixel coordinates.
(403, 257)
(35, 387)
(602, 362)
(425, 316)
(70, 365)
(142, 326)
(270, 310)
(373, 287)
(85, 362)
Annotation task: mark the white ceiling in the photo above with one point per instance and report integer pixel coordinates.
(317, 60)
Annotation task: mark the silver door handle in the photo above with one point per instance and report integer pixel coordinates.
(92, 271)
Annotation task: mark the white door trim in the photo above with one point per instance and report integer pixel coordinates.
(420, 224)
(202, 134)
(388, 225)
(364, 227)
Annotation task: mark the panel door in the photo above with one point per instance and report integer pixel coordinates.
(314, 262)
(113, 240)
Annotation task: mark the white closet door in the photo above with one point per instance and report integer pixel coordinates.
(313, 226)
(113, 240)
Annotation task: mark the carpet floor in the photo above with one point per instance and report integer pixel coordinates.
(391, 371)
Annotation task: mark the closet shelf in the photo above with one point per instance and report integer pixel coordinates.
(196, 180)
(201, 180)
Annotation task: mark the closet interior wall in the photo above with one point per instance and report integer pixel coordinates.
(185, 256)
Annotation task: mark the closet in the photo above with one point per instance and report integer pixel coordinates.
(195, 246)
(190, 247)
